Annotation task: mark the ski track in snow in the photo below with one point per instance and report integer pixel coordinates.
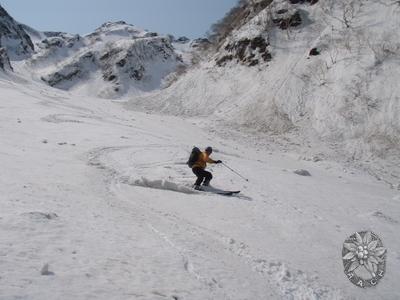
(292, 284)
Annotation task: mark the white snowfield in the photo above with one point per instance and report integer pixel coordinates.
(96, 199)
(95, 204)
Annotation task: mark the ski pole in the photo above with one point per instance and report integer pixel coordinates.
(235, 172)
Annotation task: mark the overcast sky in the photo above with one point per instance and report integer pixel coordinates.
(191, 18)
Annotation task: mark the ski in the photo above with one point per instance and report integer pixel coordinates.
(228, 193)
(213, 190)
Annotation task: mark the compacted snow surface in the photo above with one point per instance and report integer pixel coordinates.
(96, 199)
(101, 195)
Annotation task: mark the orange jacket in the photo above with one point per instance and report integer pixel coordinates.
(203, 160)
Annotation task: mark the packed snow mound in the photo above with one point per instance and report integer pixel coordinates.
(115, 60)
(325, 69)
(13, 37)
(161, 184)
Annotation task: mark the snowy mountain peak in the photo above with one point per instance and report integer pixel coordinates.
(13, 37)
(111, 69)
(119, 29)
(115, 60)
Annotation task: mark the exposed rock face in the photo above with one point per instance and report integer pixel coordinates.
(312, 2)
(260, 5)
(124, 61)
(119, 54)
(182, 40)
(302, 172)
(288, 20)
(4, 61)
(61, 41)
(54, 33)
(243, 35)
(13, 37)
(246, 51)
(237, 17)
(70, 71)
(200, 43)
(56, 47)
(314, 52)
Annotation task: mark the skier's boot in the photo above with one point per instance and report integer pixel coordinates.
(206, 182)
(197, 188)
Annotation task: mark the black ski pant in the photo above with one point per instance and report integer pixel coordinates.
(201, 175)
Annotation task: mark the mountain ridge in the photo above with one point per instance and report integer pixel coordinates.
(116, 60)
(13, 37)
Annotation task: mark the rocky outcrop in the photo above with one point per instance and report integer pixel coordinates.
(60, 41)
(54, 48)
(182, 40)
(238, 16)
(243, 35)
(312, 2)
(5, 64)
(54, 33)
(314, 52)
(285, 16)
(13, 37)
(200, 43)
(71, 71)
(286, 19)
(250, 52)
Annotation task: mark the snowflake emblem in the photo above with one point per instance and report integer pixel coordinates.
(364, 251)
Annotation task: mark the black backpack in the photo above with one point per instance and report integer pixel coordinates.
(194, 157)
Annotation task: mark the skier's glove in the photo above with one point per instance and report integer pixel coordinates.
(218, 162)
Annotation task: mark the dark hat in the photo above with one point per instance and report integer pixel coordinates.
(209, 149)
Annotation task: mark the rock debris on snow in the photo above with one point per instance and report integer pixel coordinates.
(45, 271)
(302, 172)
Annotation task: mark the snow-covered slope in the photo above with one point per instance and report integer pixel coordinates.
(115, 60)
(96, 203)
(263, 78)
(13, 37)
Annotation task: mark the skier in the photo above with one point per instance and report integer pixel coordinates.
(199, 166)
